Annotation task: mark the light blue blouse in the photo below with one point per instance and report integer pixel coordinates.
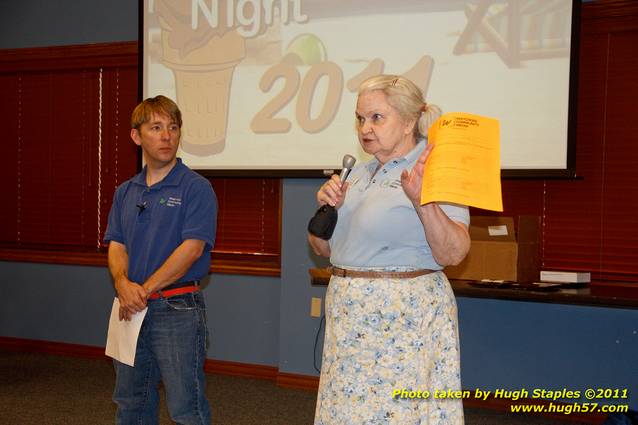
(378, 226)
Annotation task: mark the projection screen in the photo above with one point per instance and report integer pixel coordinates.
(270, 85)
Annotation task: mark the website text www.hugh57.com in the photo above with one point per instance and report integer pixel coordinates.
(568, 409)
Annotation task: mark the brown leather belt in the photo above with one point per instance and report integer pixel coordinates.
(372, 274)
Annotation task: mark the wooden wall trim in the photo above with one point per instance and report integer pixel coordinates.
(51, 347)
(246, 264)
(300, 382)
(270, 373)
(221, 367)
(603, 9)
(221, 263)
(97, 259)
(245, 370)
(68, 57)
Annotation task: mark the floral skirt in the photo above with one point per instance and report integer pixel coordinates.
(385, 336)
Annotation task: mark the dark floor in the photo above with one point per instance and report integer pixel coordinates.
(44, 389)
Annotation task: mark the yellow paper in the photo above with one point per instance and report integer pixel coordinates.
(465, 165)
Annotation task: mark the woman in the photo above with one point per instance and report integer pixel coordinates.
(391, 321)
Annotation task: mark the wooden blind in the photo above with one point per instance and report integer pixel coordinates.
(248, 217)
(248, 224)
(9, 209)
(68, 148)
(591, 224)
(63, 152)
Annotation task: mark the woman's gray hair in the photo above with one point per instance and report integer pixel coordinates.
(407, 98)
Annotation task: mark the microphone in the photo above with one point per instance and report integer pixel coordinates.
(323, 223)
(347, 163)
(141, 206)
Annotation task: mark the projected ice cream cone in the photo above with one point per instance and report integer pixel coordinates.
(202, 43)
(203, 78)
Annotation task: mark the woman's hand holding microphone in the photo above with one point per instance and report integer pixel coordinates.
(332, 192)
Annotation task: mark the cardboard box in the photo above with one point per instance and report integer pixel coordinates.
(498, 253)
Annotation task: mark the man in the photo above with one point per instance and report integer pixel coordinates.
(161, 229)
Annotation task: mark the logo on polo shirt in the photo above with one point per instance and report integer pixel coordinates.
(393, 183)
(171, 202)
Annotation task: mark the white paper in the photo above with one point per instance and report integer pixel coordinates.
(497, 230)
(121, 340)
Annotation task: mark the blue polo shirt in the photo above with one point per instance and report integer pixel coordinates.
(378, 226)
(153, 221)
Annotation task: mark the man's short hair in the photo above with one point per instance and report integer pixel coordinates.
(160, 105)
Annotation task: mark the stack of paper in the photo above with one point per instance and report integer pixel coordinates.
(465, 166)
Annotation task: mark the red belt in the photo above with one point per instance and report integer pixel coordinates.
(172, 292)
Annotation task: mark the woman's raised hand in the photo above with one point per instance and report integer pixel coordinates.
(412, 181)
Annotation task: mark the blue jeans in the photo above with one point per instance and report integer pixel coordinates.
(172, 348)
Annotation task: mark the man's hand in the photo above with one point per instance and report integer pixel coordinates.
(132, 297)
(124, 314)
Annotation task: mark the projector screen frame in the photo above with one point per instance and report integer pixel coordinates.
(569, 172)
